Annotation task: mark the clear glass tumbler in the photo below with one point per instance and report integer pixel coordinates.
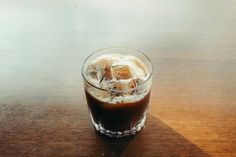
(121, 118)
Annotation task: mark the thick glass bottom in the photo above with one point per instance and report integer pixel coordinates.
(118, 134)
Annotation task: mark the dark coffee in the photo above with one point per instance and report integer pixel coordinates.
(117, 85)
(119, 116)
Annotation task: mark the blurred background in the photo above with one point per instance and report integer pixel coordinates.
(43, 41)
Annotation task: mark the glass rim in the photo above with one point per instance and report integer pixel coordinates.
(113, 47)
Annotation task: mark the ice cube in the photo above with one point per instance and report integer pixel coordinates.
(95, 72)
(121, 72)
(123, 87)
(118, 86)
(141, 88)
(132, 86)
(139, 81)
(100, 70)
(108, 73)
(102, 63)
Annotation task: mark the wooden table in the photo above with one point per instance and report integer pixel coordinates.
(192, 45)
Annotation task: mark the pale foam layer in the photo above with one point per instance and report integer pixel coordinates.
(104, 96)
(116, 72)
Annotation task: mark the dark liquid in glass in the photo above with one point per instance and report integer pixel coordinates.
(119, 116)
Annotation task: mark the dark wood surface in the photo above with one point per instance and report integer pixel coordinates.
(192, 45)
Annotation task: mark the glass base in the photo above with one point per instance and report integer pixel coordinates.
(118, 134)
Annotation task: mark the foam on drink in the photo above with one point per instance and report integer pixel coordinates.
(120, 77)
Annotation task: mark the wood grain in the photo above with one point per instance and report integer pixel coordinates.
(192, 46)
